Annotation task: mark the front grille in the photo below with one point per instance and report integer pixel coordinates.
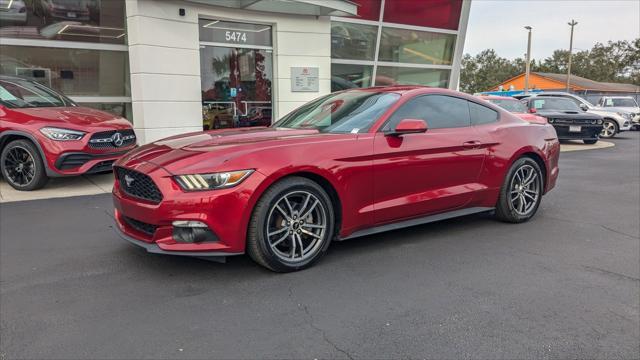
(572, 121)
(138, 185)
(106, 140)
(143, 227)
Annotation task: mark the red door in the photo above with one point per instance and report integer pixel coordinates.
(431, 172)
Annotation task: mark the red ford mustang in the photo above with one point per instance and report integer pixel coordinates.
(44, 134)
(348, 164)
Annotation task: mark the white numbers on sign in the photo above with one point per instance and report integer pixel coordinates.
(236, 36)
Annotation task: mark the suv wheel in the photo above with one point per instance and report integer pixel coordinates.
(521, 192)
(609, 129)
(292, 225)
(22, 166)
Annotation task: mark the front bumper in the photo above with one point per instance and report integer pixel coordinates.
(226, 213)
(155, 249)
(587, 132)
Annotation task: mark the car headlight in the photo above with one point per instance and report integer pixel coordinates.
(222, 180)
(60, 134)
(625, 115)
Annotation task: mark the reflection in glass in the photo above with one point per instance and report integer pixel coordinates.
(118, 109)
(353, 41)
(347, 76)
(442, 14)
(236, 87)
(100, 21)
(417, 47)
(69, 71)
(392, 75)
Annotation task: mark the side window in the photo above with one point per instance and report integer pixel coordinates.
(481, 114)
(438, 111)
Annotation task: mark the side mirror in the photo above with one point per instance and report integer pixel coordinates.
(533, 110)
(584, 107)
(408, 126)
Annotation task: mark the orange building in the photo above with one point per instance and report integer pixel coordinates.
(558, 82)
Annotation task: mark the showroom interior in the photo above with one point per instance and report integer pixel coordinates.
(172, 67)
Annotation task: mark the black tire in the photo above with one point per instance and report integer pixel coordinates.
(506, 209)
(265, 215)
(612, 125)
(39, 175)
(590, 142)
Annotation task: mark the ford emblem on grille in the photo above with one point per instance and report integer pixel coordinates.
(128, 180)
(117, 139)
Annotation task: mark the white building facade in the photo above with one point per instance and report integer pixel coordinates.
(175, 66)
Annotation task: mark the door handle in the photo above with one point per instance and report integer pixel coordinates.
(472, 144)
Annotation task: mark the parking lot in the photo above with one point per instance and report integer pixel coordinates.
(564, 285)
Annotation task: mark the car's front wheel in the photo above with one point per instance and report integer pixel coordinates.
(609, 129)
(590, 142)
(521, 192)
(291, 226)
(22, 166)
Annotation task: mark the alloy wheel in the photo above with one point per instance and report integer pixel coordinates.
(608, 129)
(524, 190)
(19, 166)
(296, 226)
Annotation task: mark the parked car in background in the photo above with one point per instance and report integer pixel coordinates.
(44, 134)
(13, 11)
(283, 193)
(515, 107)
(257, 116)
(217, 116)
(570, 122)
(614, 121)
(49, 10)
(622, 104)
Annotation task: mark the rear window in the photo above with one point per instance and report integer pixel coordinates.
(481, 114)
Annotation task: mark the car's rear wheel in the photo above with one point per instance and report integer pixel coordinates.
(609, 129)
(291, 226)
(22, 166)
(521, 192)
(590, 142)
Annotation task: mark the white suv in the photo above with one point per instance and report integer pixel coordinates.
(615, 120)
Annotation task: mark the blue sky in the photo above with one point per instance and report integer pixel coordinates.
(499, 24)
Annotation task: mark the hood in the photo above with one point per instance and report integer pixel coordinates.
(568, 114)
(634, 110)
(531, 118)
(75, 117)
(184, 153)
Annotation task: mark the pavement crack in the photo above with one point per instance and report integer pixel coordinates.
(613, 274)
(593, 224)
(311, 323)
(324, 334)
(619, 232)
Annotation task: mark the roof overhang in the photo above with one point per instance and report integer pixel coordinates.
(297, 7)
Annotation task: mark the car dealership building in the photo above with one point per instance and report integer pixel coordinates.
(173, 66)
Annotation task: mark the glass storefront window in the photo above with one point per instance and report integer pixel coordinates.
(441, 14)
(417, 47)
(118, 109)
(353, 41)
(98, 21)
(394, 75)
(347, 76)
(69, 71)
(236, 86)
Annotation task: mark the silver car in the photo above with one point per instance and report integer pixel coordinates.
(615, 120)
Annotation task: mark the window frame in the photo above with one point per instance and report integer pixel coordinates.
(383, 127)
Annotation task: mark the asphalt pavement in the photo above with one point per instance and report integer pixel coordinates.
(564, 285)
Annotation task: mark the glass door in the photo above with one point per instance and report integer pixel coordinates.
(236, 76)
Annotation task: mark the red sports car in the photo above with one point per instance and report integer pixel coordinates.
(44, 134)
(516, 107)
(349, 164)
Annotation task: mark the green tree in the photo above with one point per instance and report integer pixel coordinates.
(484, 71)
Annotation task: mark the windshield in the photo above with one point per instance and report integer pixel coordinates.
(347, 112)
(559, 104)
(513, 106)
(621, 103)
(17, 93)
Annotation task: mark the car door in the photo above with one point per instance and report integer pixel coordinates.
(431, 172)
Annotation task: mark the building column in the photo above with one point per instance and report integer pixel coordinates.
(164, 58)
